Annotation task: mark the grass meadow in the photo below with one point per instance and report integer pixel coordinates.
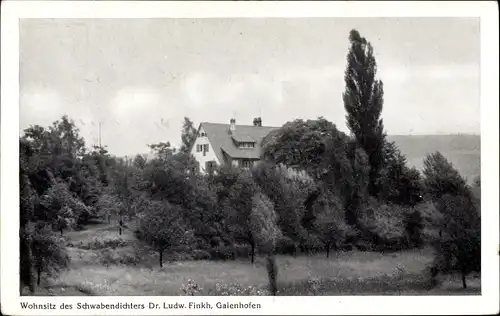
(101, 270)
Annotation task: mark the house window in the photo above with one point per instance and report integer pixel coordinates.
(247, 145)
(205, 147)
(198, 148)
(246, 163)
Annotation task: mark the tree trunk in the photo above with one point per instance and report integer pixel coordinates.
(272, 273)
(161, 258)
(121, 224)
(109, 219)
(61, 231)
(327, 248)
(253, 252)
(464, 275)
(30, 269)
(25, 264)
(38, 275)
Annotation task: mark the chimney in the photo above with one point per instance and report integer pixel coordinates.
(232, 125)
(257, 121)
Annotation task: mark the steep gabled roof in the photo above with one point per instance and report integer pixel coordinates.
(223, 143)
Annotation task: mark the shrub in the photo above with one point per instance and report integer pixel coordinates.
(440, 178)
(286, 246)
(191, 288)
(382, 228)
(200, 255)
(111, 257)
(413, 223)
(459, 248)
(216, 241)
(310, 244)
(222, 253)
(242, 251)
(431, 219)
(111, 242)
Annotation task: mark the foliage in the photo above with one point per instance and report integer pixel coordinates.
(109, 257)
(263, 223)
(201, 255)
(237, 203)
(265, 231)
(397, 183)
(222, 289)
(162, 227)
(235, 289)
(383, 226)
(287, 195)
(60, 207)
(329, 225)
(301, 144)
(286, 246)
(440, 178)
(191, 288)
(347, 175)
(363, 102)
(108, 205)
(48, 251)
(188, 135)
(459, 243)
(97, 243)
(477, 182)
(413, 224)
(459, 248)
(222, 252)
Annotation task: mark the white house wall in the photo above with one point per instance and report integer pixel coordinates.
(209, 156)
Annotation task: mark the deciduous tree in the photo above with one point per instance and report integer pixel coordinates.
(162, 227)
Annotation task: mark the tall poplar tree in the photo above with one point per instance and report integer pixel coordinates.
(363, 101)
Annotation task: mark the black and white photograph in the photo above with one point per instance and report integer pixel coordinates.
(246, 157)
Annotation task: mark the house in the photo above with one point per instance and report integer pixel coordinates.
(221, 144)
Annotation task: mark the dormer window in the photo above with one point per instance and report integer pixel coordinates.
(246, 145)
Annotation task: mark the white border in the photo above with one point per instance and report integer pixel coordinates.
(487, 303)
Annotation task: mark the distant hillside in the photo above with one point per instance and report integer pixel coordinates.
(463, 151)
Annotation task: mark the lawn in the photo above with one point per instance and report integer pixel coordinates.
(344, 273)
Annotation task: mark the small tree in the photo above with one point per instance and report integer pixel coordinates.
(459, 247)
(329, 224)
(60, 207)
(460, 244)
(264, 228)
(108, 205)
(162, 227)
(49, 252)
(440, 178)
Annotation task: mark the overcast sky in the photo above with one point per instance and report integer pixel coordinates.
(142, 76)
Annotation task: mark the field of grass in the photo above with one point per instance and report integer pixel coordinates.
(344, 273)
